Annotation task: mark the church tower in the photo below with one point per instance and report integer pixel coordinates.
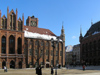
(63, 45)
(62, 34)
(80, 38)
(32, 21)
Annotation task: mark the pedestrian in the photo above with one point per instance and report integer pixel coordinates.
(83, 67)
(4, 68)
(67, 66)
(37, 70)
(40, 70)
(52, 70)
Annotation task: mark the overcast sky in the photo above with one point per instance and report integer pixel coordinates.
(51, 14)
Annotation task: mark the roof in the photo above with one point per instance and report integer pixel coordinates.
(38, 30)
(94, 28)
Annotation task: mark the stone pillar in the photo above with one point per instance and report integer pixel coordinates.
(7, 50)
(54, 54)
(63, 54)
(16, 63)
(23, 63)
(7, 63)
(16, 20)
(44, 53)
(16, 43)
(8, 19)
(49, 45)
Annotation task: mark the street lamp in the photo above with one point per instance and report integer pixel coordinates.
(52, 43)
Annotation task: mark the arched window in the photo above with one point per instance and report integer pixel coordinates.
(11, 44)
(3, 45)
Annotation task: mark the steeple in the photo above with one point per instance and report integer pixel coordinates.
(80, 31)
(80, 38)
(91, 22)
(62, 33)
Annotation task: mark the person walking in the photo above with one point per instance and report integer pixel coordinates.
(37, 70)
(83, 67)
(40, 70)
(52, 70)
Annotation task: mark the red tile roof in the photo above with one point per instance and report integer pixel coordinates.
(39, 30)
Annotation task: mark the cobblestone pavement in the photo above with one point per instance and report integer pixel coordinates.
(46, 71)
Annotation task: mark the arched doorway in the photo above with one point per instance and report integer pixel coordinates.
(12, 64)
(20, 64)
(11, 44)
(19, 51)
(3, 64)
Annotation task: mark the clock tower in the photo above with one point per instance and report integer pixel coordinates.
(32, 21)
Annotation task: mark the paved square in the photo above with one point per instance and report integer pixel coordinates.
(46, 71)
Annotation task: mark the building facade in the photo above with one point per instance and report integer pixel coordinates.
(24, 46)
(76, 54)
(68, 55)
(90, 45)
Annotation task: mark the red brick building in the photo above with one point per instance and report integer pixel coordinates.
(23, 46)
(90, 45)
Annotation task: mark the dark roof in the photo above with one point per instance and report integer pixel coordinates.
(38, 30)
(94, 28)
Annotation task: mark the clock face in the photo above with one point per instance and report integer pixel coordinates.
(33, 23)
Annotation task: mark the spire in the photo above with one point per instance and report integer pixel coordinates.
(80, 31)
(16, 10)
(7, 8)
(91, 22)
(62, 25)
(62, 33)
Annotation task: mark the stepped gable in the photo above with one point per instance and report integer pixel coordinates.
(94, 28)
(39, 30)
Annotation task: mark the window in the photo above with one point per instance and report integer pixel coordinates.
(51, 62)
(56, 53)
(3, 40)
(36, 42)
(36, 52)
(46, 43)
(42, 43)
(3, 44)
(51, 52)
(47, 52)
(30, 51)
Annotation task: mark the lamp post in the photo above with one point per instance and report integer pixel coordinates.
(52, 42)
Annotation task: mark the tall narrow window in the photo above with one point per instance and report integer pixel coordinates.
(11, 44)
(3, 45)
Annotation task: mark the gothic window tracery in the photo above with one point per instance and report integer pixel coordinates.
(4, 23)
(12, 21)
(20, 25)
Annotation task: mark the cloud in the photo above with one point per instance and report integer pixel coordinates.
(73, 37)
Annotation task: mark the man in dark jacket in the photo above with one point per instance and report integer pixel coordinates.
(37, 70)
(51, 70)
